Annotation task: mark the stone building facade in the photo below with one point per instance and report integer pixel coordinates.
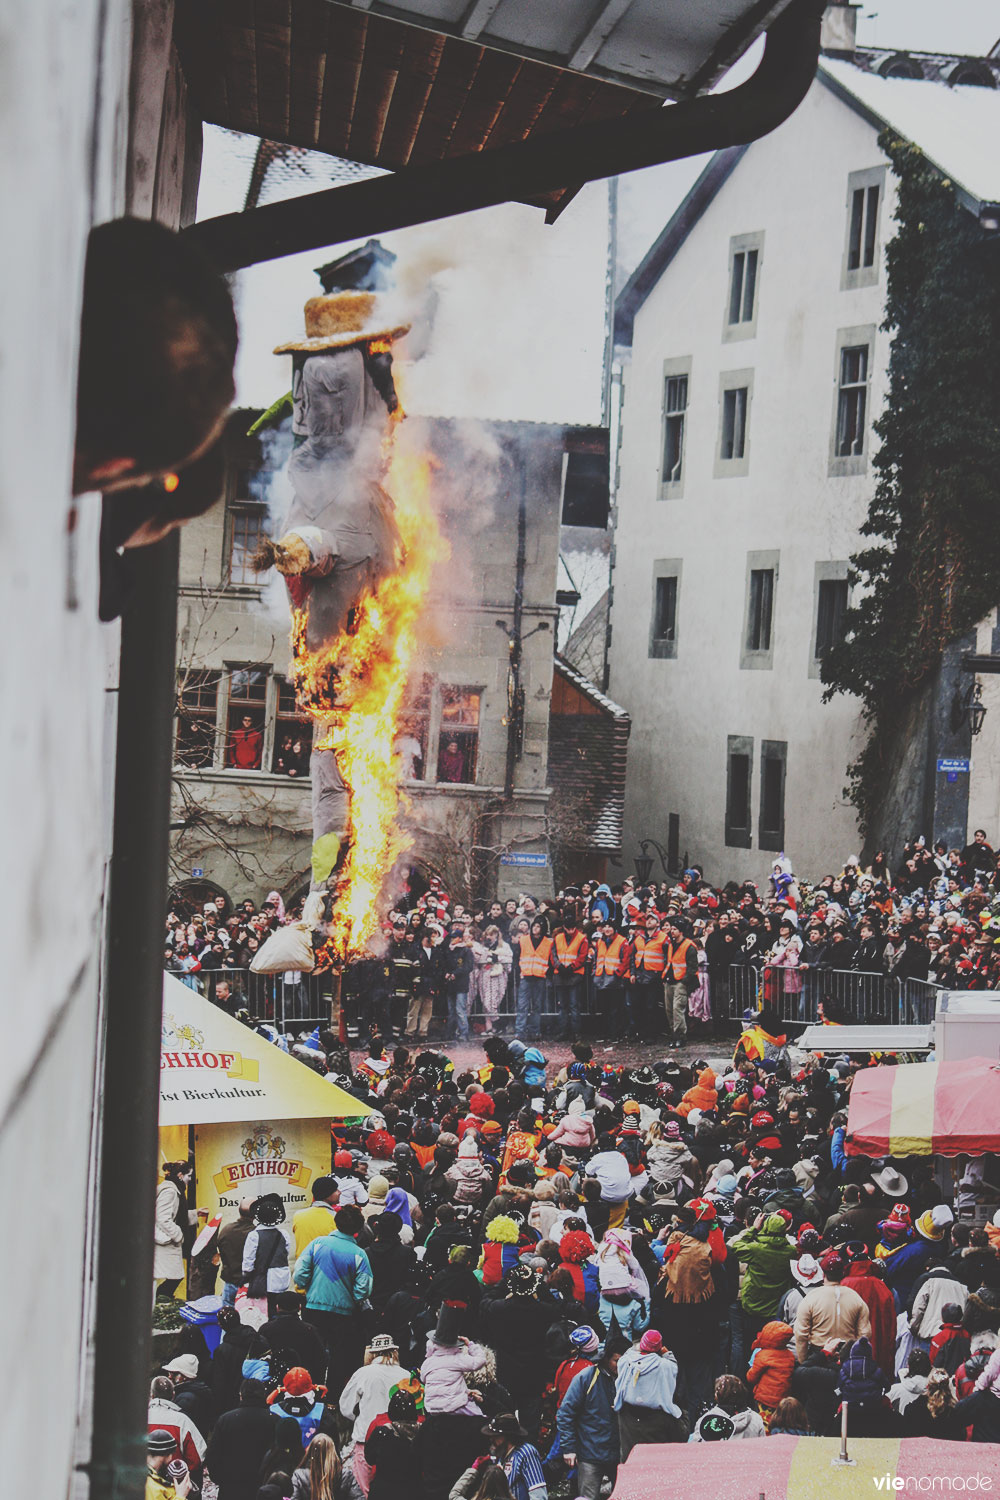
(755, 366)
(479, 812)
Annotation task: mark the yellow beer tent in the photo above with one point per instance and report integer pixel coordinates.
(261, 1118)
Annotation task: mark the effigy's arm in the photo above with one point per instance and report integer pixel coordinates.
(304, 552)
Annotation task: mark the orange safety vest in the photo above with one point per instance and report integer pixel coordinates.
(649, 954)
(609, 954)
(534, 961)
(569, 955)
(677, 958)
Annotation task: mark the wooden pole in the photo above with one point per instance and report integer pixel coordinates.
(338, 1022)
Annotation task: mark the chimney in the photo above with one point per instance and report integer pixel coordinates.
(839, 31)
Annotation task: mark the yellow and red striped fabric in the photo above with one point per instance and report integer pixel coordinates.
(925, 1109)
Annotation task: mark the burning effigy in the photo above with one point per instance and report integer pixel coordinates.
(359, 544)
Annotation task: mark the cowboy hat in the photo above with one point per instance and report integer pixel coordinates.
(505, 1426)
(342, 319)
(807, 1270)
(892, 1183)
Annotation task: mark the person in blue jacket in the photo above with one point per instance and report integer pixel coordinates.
(336, 1276)
(587, 1422)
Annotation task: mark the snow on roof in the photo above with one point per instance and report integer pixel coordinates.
(956, 127)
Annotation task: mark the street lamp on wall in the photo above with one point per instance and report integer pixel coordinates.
(644, 861)
(975, 707)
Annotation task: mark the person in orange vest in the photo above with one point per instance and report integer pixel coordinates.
(534, 963)
(612, 957)
(646, 978)
(682, 978)
(569, 961)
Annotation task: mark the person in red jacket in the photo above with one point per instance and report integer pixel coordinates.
(951, 1344)
(864, 1278)
(576, 1247)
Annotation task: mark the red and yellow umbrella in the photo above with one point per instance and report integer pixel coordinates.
(926, 1109)
(803, 1468)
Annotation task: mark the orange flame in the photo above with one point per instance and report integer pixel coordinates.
(170, 482)
(355, 687)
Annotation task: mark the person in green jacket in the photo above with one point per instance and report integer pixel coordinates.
(767, 1252)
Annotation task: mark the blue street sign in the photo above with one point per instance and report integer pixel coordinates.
(197, 873)
(955, 763)
(537, 860)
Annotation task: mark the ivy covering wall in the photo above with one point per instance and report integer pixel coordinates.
(931, 568)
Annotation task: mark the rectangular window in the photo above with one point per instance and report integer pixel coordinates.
(414, 731)
(734, 423)
(739, 769)
(247, 521)
(831, 606)
(675, 408)
(197, 705)
(851, 418)
(676, 396)
(761, 609)
(665, 620)
(247, 528)
(771, 833)
(865, 197)
(743, 286)
(746, 253)
(246, 717)
(862, 236)
(458, 738)
(663, 607)
(292, 735)
(852, 401)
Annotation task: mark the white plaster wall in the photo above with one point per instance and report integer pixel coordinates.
(61, 168)
(793, 186)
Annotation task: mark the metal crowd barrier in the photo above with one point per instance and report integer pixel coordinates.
(856, 996)
(291, 1008)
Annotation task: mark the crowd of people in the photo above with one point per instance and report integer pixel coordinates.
(640, 960)
(514, 1274)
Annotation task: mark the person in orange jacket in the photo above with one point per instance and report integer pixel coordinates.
(703, 1095)
(771, 1366)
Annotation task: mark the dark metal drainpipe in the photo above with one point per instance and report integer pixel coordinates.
(515, 692)
(586, 153)
(129, 1151)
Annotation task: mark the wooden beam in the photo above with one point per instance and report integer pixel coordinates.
(597, 33)
(153, 25)
(477, 16)
(424, 51)
(547, 162)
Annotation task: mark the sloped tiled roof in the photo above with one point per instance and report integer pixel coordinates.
(589, 690)
(588, 756)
